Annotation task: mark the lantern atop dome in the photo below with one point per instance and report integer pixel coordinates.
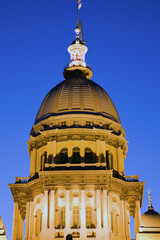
(77, 51)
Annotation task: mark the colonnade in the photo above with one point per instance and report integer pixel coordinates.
(103, 227)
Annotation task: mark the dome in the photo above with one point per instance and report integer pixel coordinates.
(2, 227)
(77, 94)
(150, 219)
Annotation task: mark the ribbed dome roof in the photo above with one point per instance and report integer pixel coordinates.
(77, 94)
(150, 219)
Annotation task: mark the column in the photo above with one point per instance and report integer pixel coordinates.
(83, 215)
(105, 209)
(20, 229)
(33, 161)
(122, 219)
(97, 149)
(54, 150)
(83, 210)
(45, 210)
(52, 209)
(31, 220)
(99, 233)
(27, 221)
(137, 217)
(69, 151)
(67, 216)
(15, 221)
(98, 191)
(82, 151)
(105, 214)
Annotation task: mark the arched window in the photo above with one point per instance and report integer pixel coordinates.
(63, 156)
(76, 155)
(62, 217)
(75, 217)
(38, 222)
(88, 155)
(89, 217)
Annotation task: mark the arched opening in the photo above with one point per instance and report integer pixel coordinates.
(88, 155)
(38, 222)
(63, 156)
(75, 217)
(89, 217)
(76, 155)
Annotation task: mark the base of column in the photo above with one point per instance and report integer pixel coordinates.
(99, 233)
(105, 233)
(83, 234)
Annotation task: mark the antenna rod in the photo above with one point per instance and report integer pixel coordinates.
(79, 5)
(77, 12)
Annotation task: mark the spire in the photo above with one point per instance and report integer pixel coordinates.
(150, 199)
(77, 51)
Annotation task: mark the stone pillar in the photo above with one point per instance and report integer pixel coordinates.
(33, 161)
(98, 191)
(105, 214)
(45, 210)
(82, 151)
(52, 209)
(31, 220)
(16, 222)
(67, 216)
(99, 233)
(21, 227)
(83, 216)
(137, 217)
(54, 150)
(97, 150)
(27, 221)
(69, 151)
(122, 219)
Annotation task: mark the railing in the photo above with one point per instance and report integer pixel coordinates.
(26, 179)
(133, 178)
(22, 179)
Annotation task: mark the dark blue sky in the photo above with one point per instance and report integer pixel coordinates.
(123, 37)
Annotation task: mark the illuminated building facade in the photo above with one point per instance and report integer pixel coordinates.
(149, 224)
(2, 230)
(77, 148)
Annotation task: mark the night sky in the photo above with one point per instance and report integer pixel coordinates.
(123, 38)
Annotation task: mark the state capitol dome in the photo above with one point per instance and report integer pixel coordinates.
(150, 219)
(77, 94)
(77, 146)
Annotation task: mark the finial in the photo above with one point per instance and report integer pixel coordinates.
(150, 198)
(77, 30)
(79, 5)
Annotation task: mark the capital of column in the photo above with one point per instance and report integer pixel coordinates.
(124, 197)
